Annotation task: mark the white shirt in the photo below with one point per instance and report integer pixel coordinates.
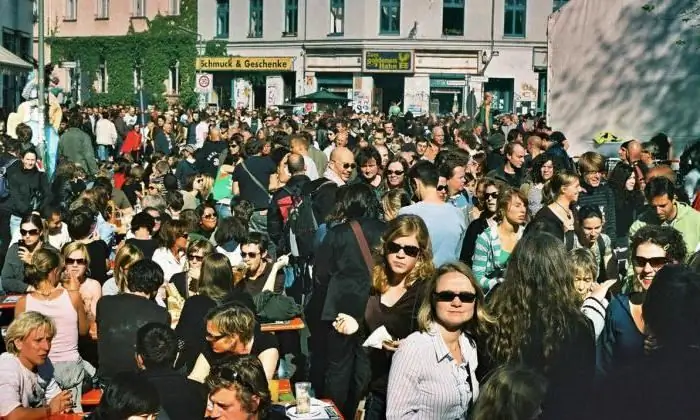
(166, 260)
(20, 387)
(105, 132)
(311, 170)
(201, 132)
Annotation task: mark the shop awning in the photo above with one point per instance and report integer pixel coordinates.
(9, 62)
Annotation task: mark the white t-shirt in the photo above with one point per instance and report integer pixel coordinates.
(20, 387)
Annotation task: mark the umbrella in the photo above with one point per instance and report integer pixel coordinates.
(321, 97)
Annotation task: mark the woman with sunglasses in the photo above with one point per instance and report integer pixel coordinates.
(66, 308)
(395, 173)
(433, 372)
(196, 252)
(487, 193)
(495, 245)
(539, 324)
(622, 341)
(173, 243)
(404, 264)
(20, 253)
(208, 221)
(77, 260)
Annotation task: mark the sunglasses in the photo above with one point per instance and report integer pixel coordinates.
(214, 338)
(348, 165)
(29, 232)
(655, 262)
(442, 188)
(78, 261)
(410, 250)
(230, 375)
(195, 258)
(397, 173)
(447, 296)
(209, 216)
(490, 195)
(250, 255)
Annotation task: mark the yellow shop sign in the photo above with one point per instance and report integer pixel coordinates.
(245, 63)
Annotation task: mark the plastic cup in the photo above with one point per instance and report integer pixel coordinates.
(303, 396)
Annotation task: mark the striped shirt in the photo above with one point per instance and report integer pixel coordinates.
(426, 383)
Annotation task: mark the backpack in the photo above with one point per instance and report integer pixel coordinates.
(4, 190)
(301, 223)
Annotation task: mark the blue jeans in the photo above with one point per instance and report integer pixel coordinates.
(223, 210)
(103, 152)
(15, 222)
(375, 407)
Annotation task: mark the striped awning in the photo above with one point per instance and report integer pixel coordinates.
(9, 62)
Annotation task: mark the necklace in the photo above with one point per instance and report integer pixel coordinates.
(46, 294)
(566, 211)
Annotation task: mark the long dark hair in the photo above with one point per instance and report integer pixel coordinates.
(127, 395)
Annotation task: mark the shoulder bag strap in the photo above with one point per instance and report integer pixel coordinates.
(364, 247)
(255, 180)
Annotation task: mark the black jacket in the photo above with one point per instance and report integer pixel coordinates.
(275, 220)
(181, 398)
(341, 275)
(601, 196)
(29, 190)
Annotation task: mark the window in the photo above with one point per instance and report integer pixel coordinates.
(139, 8)
(337, 16)
(174, 78)
(390, 16)
(102, 9)
(71, 10)
(222, 17)
(9, 40)
(291, 17)
(102, 78)
(559, 3)
(514, 22)
(25, 47)
(453, 17)
(255, 24)
(174, 7)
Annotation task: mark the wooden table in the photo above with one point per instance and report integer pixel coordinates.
(293, 325)
(9, 301)
(67, 416)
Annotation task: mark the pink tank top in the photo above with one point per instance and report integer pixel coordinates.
(64, 347)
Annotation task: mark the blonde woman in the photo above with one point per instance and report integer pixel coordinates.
(433, 373)
(67, 311)
(393, 201)
(404, 264)
(127, 255)
(75, 278)
(559, 194)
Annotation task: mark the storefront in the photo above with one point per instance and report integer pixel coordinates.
(448, 91)
(250, 82)
(338, 83)
(388, 70)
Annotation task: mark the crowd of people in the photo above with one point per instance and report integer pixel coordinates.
(445, 268)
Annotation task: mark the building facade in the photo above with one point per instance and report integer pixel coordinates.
(90, 18)
(428, 55)
(16, 19)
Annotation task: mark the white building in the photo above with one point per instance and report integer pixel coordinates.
(420, 52)
(16, 20)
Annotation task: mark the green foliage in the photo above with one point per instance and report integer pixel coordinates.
(155, 50)
(215, 48)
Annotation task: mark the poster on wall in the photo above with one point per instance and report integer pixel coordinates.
(310, 86)
(416, 98)
(242, 94)
(274, 91)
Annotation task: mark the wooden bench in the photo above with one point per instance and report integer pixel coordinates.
(292, 325)
(91, 398)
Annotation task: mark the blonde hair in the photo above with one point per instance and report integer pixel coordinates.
(126, 257)
(233, 320)
(393, 200)
(583, 259)
(44, 261)
(207, 186)
(76, 246)
(591, 162)
(23, 325)
(505, 200)
(553, 188)
(402, 226)
(426, 313)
